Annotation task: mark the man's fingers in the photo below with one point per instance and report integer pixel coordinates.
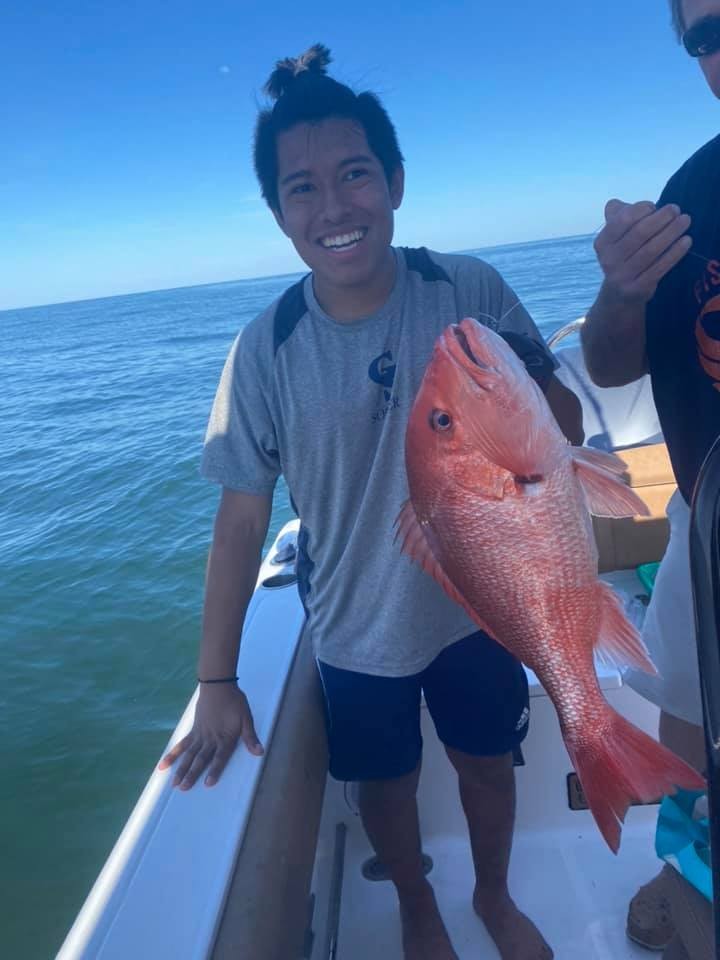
(200, 761)
(613, 208)
(171, 756)
(621, 217)
(185, 764)
(654, 274)
(225, 750)
(250, 738)
(650, 227)
(657, 245)
(219, 762)
(222, 722)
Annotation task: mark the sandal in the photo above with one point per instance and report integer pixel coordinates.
(649, 920)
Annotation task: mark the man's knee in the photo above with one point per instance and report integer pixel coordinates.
(393, 789)
(481, 770)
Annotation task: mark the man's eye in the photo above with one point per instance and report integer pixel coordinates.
(356, 173)
(301, 188)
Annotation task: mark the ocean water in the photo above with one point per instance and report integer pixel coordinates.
(105, 526)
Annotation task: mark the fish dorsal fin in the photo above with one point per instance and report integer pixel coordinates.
(414, 544)
(619, 642)
(606, 494)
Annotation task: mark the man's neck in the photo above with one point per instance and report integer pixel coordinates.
(346, 304)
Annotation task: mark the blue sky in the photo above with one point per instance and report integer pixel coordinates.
(127, 127)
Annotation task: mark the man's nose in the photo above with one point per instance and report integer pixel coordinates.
(336, 207)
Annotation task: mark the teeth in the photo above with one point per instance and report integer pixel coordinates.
(343, 240)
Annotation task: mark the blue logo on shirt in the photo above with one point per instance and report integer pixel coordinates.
(382, 371)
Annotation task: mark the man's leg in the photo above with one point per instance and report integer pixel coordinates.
(685, 739)
(477, 694)
(487, 792)
(649, 920)
(374, 737)
(390, 817)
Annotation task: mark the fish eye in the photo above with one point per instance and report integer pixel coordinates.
(440, 420)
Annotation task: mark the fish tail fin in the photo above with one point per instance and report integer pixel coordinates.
(620, 765)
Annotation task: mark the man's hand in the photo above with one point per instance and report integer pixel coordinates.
(638, 246)
(222, 717)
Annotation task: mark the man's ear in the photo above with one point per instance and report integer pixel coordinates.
(397, 186)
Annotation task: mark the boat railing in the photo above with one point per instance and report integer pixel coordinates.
(565, 331)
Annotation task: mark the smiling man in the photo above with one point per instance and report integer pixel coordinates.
(658, 312)
(319, 388)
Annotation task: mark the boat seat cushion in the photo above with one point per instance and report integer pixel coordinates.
(624, 544)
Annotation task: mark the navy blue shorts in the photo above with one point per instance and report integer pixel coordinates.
(476, 692)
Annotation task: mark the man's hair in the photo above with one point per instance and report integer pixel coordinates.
(303, 93)
(678, 17)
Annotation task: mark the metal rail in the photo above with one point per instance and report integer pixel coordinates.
(565, 331)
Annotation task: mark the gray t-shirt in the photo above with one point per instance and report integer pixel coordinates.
(326, 404)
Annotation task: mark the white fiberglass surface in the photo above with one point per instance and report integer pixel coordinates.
(162, 889)
(574, 889)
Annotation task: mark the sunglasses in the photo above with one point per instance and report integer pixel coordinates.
(703, 39)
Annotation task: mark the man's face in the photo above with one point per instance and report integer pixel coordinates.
(335, 202)
(693, 12)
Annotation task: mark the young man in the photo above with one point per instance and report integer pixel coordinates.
(658, 312)
(319, 388)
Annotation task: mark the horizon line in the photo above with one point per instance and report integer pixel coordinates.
(269, 276)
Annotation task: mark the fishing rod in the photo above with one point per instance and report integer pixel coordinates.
(705, 565)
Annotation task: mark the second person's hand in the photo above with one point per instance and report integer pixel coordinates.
(638, 246)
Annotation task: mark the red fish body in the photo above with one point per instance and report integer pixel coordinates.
(499, 514)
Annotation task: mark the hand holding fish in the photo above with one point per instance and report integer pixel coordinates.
(499, 515)
(638, 246)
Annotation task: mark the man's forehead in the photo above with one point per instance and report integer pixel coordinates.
(695, 10)
(309, 143)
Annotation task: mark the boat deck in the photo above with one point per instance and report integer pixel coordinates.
(574, 889)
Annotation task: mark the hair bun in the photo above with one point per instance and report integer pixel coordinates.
(286, 71)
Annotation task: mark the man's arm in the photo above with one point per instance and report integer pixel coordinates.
(638, 246)
(223, 715)
(613, 341)
(566, 409)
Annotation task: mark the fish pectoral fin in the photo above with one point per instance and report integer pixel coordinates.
(414, 544)
(600, 458)
(606, 494)
(618, 642)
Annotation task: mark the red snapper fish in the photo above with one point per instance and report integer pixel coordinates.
(499, 515)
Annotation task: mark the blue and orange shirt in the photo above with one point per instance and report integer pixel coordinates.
(683, 324)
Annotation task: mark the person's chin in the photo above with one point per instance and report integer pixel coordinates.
(355, 266)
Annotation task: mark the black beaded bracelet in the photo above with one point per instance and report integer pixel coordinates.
(219, 680)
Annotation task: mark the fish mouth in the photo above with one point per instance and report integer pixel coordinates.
(462, 339)
(465, 349)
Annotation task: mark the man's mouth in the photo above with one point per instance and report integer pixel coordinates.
(343, 241)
